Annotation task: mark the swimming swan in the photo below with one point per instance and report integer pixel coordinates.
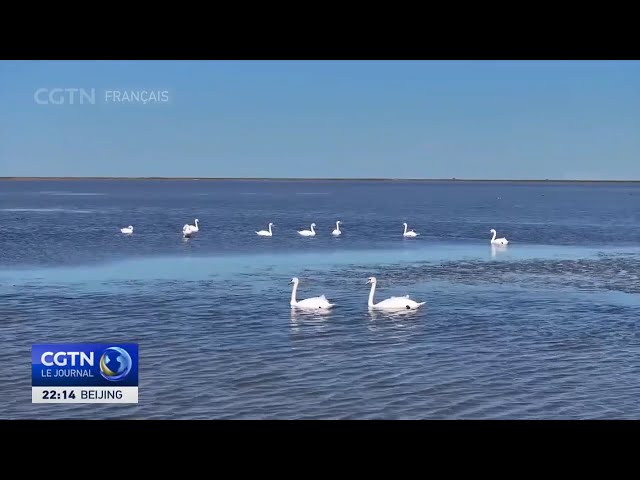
(265, 233)
(497, 241)
(128, 229)
(320, 302)
(186, 231)
(392, 303)
(337, 231)
(410, 233)
(191, 228)
(308, 233)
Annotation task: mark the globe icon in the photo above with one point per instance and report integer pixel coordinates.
(115, 364)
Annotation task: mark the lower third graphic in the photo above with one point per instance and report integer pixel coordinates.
(84, 373)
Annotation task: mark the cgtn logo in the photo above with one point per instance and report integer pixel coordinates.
(84, 373)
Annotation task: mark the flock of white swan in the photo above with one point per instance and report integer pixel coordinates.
(336, 232)
(321, 302)
(189, 230)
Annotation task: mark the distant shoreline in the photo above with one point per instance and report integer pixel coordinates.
(256, 179)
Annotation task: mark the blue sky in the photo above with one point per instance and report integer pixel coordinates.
(392, 119)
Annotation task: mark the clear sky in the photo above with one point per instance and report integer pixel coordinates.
(392, 119)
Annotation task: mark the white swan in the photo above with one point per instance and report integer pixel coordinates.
(320, 302)
(497, 241)
(308, 233)
(191, 228)
(186, 231)
(392, 303)
(266, 233)
(409, 233)
(337, 231)
(128, 229)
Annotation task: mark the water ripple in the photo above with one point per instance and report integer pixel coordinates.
(532, 331)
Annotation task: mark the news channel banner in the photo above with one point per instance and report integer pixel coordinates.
(84, 373)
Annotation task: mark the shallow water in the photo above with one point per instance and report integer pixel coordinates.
(544, 328)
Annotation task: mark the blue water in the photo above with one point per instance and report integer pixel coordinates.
(546, 328)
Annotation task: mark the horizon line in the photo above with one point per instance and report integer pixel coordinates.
(360, 179)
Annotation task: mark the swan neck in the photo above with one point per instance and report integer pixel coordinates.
(312, 231)
(269, 228)
(373, 288)
(293, 293)
(405, 228)
(494, 236)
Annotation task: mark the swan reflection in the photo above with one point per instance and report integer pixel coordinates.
(311, 318)
(394, 325)
(306, 315)
(497, 249)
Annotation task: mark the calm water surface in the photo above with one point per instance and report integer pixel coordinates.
(546, 328)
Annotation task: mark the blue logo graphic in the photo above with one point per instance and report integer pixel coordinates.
(84, 365)
(115, 364)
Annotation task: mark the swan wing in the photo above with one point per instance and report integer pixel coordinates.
(392, 302)
(314, 302)
(398, 303)
(324, 300)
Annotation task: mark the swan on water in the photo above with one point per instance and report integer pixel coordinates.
(266, 233)
(191, 228)
(186, 231)
(308, 233)
(337, 231)
(409, 233)
(128, 229)
(497, 241)
(391, 303)
(320, 302)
